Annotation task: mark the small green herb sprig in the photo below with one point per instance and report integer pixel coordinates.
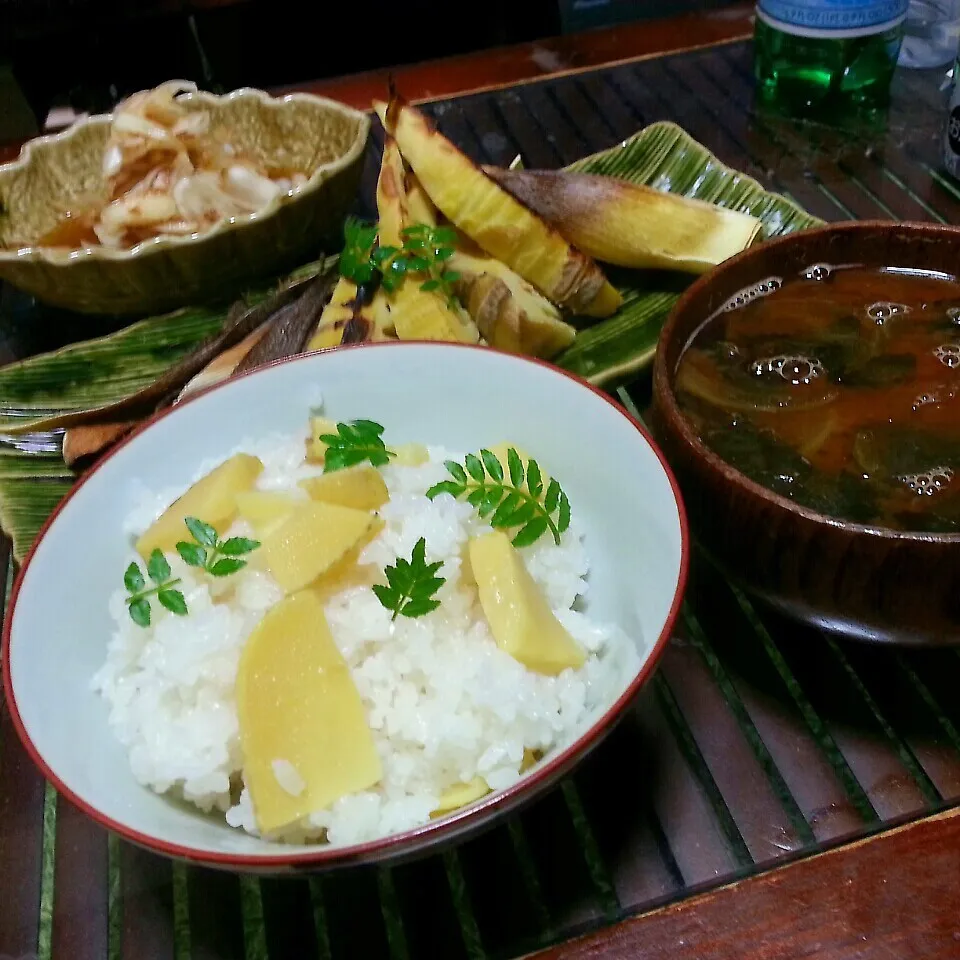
(425, 252)
(217, 557)
(138, 601)
(360, 441)
(411, 585)
(356, 261)
(517, 499)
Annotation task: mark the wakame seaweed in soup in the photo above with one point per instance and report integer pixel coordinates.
(839, 389)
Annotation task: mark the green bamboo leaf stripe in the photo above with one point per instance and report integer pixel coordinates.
(96, 372)
(100, 371)
(629, 337)
(30, 465)
(25, 504)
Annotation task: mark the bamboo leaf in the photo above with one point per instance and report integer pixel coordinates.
(25, 504)
(93, 373)
(618, 348)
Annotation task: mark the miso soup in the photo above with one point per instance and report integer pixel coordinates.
(839, 389)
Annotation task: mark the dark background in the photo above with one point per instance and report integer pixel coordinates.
(89, 53)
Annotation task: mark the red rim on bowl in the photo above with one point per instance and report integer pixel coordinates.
(408, 842)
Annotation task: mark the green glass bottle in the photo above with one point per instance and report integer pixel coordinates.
(827, 59)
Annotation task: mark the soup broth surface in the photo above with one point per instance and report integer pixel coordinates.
(840, 389)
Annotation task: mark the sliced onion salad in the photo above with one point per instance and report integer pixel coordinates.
(167, 174)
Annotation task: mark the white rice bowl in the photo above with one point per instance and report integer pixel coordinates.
(444, 703)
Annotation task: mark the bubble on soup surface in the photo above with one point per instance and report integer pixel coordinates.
(948, 354)
(818, 271)
(761, 289)
(928, 483)
(794, 369)
(884, 310)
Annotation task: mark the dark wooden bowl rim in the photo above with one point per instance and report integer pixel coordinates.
(664, 379)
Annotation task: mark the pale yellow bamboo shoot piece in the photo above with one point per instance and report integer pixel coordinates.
(628, 224)
(303, 727)
(391, 196)
(420, 208)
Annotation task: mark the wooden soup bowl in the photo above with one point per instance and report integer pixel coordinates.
(865, 582)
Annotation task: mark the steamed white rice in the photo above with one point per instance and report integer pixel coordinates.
(445, 704)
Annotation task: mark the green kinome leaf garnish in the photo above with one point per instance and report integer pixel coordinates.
(428, 249)
(517, 499)
(355, 258)
(138, 601)
(354, 443)
(425, 252)
(217, 557)
(411, 585)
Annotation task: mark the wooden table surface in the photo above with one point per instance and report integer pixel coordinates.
(774, 794)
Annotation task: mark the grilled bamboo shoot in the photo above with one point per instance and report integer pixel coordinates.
(631, 225)
(291, 326)
(420, 208)
(490, 216)
(349, 318)
(415, 314)
(509, 312)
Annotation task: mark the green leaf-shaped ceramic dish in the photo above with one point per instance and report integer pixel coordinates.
(90, 374)
(56, 174)
(665, 157)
